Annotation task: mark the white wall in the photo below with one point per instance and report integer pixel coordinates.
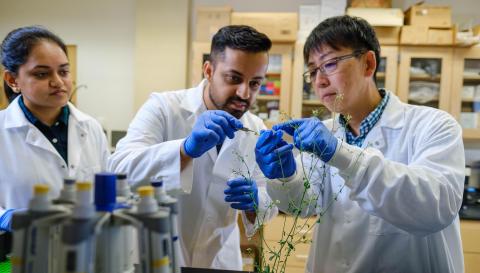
(104, 34)
(125, 48)
(161, 47)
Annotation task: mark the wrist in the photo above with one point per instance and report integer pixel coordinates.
(184, 150)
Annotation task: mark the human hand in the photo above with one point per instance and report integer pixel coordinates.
(274, 155)
(209, 130)
(242, 194)
(6, 219)
(310, 135)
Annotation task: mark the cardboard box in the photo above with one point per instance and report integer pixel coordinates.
(210, 20)
(278, 26)
(423, 35)
(388, 35)
(378, 16)
(370, 3)
(429, 15)
(440, 36)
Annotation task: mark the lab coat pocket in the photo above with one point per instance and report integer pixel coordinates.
(378, 226)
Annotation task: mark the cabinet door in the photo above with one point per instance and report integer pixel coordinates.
(387, 68)
(273, 99)
(3, 98)
(425, 76)
(304, 101)
(465, 96)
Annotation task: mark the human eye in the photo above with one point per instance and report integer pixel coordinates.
(40, 74)
(330, 66)
(312, 73)
(254, 85)
(232, 79)
(64, 72)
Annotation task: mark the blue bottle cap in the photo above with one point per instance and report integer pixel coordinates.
(156, 183)
(105, 191)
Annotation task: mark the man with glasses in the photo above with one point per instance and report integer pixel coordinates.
(191, 139)
(385, 177)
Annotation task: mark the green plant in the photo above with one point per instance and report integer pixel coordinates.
(274, 258)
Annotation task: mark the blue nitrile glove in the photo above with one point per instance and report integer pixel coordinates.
(242, 193)
(6, 219)
(209, 130)
(274, 155)
(310, 135)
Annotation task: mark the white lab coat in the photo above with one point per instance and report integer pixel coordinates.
(398, 196)
(208, 230)
(27, 157)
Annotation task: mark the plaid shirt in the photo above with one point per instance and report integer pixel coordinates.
(367, 124)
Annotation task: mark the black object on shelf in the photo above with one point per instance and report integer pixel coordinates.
(5, 245)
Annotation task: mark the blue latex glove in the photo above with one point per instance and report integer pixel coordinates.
(274, 155)
(242, 193)
(6, 219)
(310, 135)
(210, 130)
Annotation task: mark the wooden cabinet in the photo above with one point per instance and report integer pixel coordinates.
(3, 98)
(273, 100)
(72, 56)
(424, 76)
(387, 70)
(273, 234)
(470, 231)
(465, 93)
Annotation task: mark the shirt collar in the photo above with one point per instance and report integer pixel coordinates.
(368, 123)
(63, 118)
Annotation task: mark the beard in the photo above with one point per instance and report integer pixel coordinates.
(226, 106)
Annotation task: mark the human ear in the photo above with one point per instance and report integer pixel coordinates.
(11, 80)
(371, 63)
(208, 70)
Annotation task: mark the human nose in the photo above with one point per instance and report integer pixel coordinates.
(321, 79)
(56, 80)
(243, 91)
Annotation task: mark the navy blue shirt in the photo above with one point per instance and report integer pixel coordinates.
(57, 134)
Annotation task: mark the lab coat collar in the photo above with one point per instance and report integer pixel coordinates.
(394, 114)
(193, 101)
(15, 118)
(393, 117)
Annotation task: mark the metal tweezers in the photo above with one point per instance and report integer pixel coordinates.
(248, 130)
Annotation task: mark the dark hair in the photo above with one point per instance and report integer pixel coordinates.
(343, 31)
(240, 37)
(16, 48)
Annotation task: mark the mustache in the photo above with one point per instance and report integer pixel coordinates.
(238, 99)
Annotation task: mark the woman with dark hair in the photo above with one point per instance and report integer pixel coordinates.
(43, 137)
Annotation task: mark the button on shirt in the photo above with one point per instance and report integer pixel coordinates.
(368, 123)
(57, 134)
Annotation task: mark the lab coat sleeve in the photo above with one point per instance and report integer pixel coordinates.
(145, 153)
(303, 191)
(266, 210)
(421, 197)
